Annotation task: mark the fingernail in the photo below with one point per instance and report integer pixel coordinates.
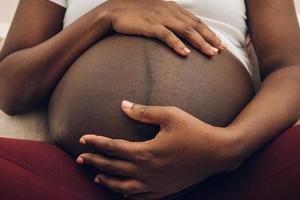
(127, 105)
(82, 141)
(97, 180)
(80, 160)
(214, 50)
(224, 45)
(186, 50)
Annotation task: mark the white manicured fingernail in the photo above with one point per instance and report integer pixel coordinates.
(97, 180)
(127, 105)
(80, 160)
(186, 50)
(214, 50)
(82, 141)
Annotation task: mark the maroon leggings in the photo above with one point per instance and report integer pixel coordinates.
(37, 170)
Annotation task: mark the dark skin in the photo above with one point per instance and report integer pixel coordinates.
(214, 149)
(34, 80)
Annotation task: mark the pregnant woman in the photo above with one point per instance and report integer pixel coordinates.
(153, 97)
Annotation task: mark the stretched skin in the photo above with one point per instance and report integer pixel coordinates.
(88, 98)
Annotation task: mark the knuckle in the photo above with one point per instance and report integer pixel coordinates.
(213, 35)
(149, 19)
(145, 156)
(87, 157)
(127, 188)
(119, 188)
(155, 12)
(200, 27)
(164, 34)
(110, 147)
(132, 187)
(203, 45)
(152, 16)
(109, 167)
(177, 42)
(188, 30)
(143, 110)
(172, 110)
(170, 113)
(158, 166)
(152, 159)
(216, 39)
(115, 186)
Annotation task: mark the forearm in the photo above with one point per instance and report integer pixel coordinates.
(28, 76)
(274, 108)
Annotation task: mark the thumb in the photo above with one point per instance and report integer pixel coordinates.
(146, 114)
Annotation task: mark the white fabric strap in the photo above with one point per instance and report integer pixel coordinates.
(62, 3)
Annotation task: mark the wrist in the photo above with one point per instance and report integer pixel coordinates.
(231, 151)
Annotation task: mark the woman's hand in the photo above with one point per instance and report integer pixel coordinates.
(164, 20)
(183, 153)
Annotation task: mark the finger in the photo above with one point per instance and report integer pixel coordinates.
(188, 32)
(168, 37)
(117, 148)
(108, 165)
(124, 186)
(159, 115)
(209, 35)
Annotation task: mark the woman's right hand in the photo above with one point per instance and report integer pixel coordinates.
(166, 21)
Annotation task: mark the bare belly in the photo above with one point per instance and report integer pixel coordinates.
(145, 71)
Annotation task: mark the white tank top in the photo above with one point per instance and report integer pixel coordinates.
(227, 18)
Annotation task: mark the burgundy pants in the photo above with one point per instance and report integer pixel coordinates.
(37, 170)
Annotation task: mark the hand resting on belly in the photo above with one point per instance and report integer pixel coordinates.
(142, 70)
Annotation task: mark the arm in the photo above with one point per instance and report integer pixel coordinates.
(276, 105)
(32, 63)
(187, 150)
(36, 54)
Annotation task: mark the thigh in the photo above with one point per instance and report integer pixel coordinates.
(271, 173)
(37, 170)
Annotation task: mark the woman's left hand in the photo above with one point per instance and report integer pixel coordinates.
(183, 153)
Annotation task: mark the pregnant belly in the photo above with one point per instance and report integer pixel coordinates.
(145, 71)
